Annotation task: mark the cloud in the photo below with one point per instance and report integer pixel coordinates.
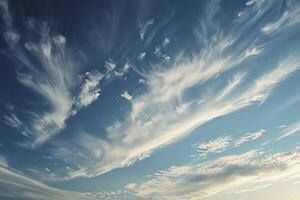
(166, 58)
(52, 80)
(248, 137)
(17, 186)
(217, 145)
(156, 129)
(126, 95)
(290, 130)
(47, 66)
(142, 55)
(142, 81)
(250, 2)
(253, 51)
(287, 18)
(90, 89)
(165, 113)
(200, 180)
(12, 120)
(232, 84)
(157, 51)
(143, 28)
(3, 161)
(166, 42)
(110, 65)
(131, 186)
(223, 143)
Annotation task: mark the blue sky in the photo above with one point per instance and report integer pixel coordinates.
(150, 100)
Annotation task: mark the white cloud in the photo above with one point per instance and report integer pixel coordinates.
(126, 95)
(142, 81)
(166, 42)
(12, 120)
(157, 51)
(290, 130)
(48, 67)
(110, 65)
(250, 2)
(131, 186)
(271, 27)
(122, 72)
(162, 115)
(248, 137)
(202, 180)
(90, 89)
(126, 67)
(253, 51)
(166, 58)
(223, 143)
(232, 84)
(288, 18)
(282, 126)
(15, 185)
(142, 55)
(3, 161)
(143, 28)
(217, 145)
(53, 81)
(146, 129)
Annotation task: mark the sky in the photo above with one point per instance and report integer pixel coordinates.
(150, 100)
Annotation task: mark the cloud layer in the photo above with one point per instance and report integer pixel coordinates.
(199, 181)
(164, 113)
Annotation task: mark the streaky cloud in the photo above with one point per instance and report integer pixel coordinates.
(223, 143)
(224, 174)
(143, 28)
(290, 130)
(162, 115)
(16, 185)
(46, 65)
(90, 89)
(12, 120)
(3, 161)
(288, 18)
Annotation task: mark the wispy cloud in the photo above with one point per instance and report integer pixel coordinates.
(17, 186)
(166, 42)
(223, 143)
(90, 89)
(290, 130)
(143, 28)
(110, 65)
(197, 181)
(287, 18)
(47, 66)
(48, 71)
(164, 113)
(142, 55)
(52, 81)
(126, 95)
(3, 161)
(12, 120)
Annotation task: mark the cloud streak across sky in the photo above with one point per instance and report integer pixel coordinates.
(152, 123)
(196, 181)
